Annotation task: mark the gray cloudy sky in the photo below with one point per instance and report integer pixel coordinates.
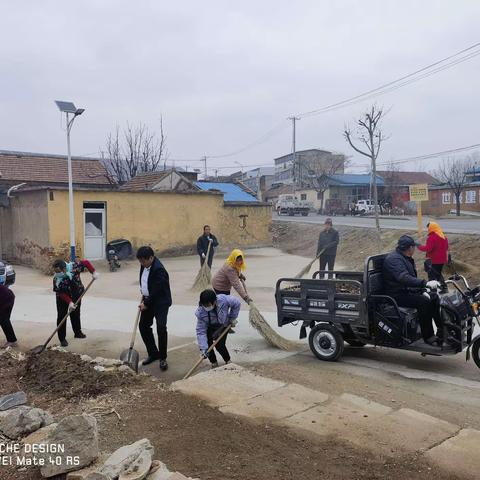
(224, 73)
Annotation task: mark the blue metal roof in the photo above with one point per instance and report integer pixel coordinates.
(354, 179)
(231, 191)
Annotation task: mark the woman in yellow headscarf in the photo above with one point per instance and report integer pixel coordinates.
(230, 275)
(436, 249)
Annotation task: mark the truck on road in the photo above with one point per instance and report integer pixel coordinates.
(291, 205)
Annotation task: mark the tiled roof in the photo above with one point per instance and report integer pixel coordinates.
(408, 178)
(50, 169)
(347, 179)
(144, 181)
(231, 191)
(277, 190)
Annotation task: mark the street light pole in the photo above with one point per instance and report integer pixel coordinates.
(70, 191)
(69, 108)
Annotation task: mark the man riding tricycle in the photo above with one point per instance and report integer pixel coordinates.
(385, 305)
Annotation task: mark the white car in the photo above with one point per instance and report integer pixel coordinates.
(365, 206)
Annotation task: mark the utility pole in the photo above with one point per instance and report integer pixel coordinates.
(294, 149)
(205, 168)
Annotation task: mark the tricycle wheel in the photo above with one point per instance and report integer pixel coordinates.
(476, 352)
(355, 343)
(326, 342)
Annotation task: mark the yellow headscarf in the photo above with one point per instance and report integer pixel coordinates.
(233, 256)
(434, 227)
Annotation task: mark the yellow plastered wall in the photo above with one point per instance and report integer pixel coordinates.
(162, 220)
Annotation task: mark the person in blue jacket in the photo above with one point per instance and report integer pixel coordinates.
(214, 314)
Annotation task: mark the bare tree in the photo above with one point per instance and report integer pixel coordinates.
(135, 149)
(455, 174)
(368, 131)
(318, 173)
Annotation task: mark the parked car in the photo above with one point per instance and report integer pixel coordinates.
(364, 207)
(6, 268)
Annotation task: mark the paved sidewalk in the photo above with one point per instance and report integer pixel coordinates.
(380, 428)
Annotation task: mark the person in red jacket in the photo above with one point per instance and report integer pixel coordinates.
(7, 300)
(68, 287)
(436, 249)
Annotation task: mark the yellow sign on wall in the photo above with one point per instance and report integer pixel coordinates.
(418, 192)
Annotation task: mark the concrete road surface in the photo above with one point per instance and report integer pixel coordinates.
(450, 225)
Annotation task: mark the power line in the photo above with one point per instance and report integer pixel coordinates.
(393, 83)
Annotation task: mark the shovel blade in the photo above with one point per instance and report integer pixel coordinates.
(130, 358)
(38, 349)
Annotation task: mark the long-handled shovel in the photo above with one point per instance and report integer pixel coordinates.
(41, 348)
(202, 358)
(130, 356)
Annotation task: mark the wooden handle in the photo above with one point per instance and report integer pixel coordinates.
(208, 351)
(68, 313)
(134, 333)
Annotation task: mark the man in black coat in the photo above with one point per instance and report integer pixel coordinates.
(202, 245)
(156, 300)
(327, 247)
(401, 283)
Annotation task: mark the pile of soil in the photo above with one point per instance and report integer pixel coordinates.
(66, 375)
(192, 437)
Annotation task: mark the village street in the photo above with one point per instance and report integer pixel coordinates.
(451, 224)
(109, 311)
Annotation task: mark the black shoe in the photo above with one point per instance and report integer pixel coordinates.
(434, 341)
(149, 360)
(63, 343)
(163, 365)
(80, 335)
(231, 331)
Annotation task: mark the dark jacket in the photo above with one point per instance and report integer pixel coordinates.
(158, 286)
(66, 290)
(400, 274)
(330, 240)
(202, 245)
(7, 300)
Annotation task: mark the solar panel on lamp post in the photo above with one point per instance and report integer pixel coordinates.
(69, 109)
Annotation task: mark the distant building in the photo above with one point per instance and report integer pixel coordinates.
(307, 162)
(259, 180)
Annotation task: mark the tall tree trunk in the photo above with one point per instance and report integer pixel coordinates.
(457, 201)
(321, 203)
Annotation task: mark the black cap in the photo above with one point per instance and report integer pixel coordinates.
(328, 221)
(405, 242)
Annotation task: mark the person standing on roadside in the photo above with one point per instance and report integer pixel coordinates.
(156, 300)
(327, 247)
(202, 245)
(436, 249)
(7, 300)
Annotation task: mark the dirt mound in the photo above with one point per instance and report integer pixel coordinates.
(65, 375)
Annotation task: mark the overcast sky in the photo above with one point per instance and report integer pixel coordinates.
(224, 73)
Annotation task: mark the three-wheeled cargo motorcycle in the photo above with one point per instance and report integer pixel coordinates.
(352, 308)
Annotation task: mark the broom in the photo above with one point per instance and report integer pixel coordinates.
(308, 266)
(258, 322)
(204, 275)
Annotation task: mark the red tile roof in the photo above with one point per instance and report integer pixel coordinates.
(50, 169)
(408, 178)
(144, 181)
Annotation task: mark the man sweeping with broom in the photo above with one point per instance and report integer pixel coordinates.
(206, 244)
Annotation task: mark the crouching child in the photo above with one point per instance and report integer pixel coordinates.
(214, 314)
(68, 287)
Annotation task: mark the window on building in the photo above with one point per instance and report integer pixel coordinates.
(303, 196)
(470, 196)
(446, 198)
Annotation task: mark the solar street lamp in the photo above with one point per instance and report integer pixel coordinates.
(71, 113)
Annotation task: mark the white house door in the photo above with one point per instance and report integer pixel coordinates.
(94, 230)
